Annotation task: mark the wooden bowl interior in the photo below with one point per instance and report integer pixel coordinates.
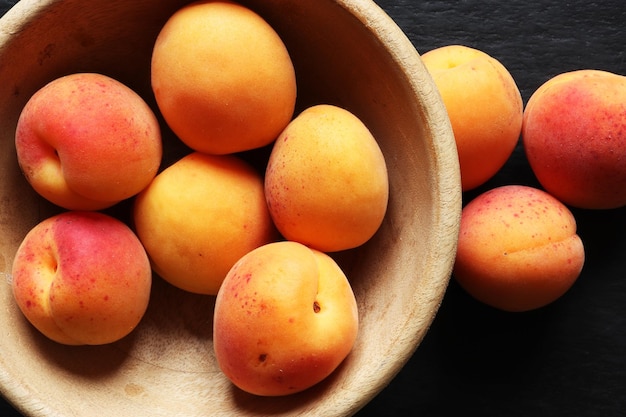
(347, 53)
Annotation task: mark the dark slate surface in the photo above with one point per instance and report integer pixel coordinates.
(569, 358)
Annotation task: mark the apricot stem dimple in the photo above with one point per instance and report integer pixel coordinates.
(262, 357)
(316, 307)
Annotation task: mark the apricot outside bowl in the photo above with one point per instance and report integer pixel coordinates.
(346, 52)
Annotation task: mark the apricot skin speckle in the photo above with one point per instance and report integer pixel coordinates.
(517, 260)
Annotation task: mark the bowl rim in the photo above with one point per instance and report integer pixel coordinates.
(446, 167)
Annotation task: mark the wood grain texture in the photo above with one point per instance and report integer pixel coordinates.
(348, 53)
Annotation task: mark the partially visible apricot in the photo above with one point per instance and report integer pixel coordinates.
(484, 106)
(574, 135)
(222, 78)
(326, 181)
(518, 249)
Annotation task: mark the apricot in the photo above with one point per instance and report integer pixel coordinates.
(82, 278)
(484, 105)
(285, 318)
(222, 77)
(574, 135)
(86, 142)
(199, 216)
(326, 180)
(518, 249)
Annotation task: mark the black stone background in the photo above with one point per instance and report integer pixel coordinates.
(566, 359)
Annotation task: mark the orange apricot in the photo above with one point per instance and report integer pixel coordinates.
(518, 249)
(222, 78)
(484, 106)
(326, 181)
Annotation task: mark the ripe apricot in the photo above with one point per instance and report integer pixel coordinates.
(574, 135)
(285, 318)
(326, 181)
(82, 278)
(518, 249)
(484, 106)
(199, 216)
(222, 78)
(85, 141)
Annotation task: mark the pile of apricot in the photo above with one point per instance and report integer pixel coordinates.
(210, 222)
(518, 249)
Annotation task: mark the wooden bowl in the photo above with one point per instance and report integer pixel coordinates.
(346, 52)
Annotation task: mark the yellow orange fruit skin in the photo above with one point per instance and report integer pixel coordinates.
(518, 249)
(199, 216)
(285, 318)
(574, 136)
(484, 105)
(326, 181)
(86, 141)
(222, 77)
(82, 278)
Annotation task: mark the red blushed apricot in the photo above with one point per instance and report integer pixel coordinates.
(574, 135)
(86, 142)
(82, 278)
(518, 249)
